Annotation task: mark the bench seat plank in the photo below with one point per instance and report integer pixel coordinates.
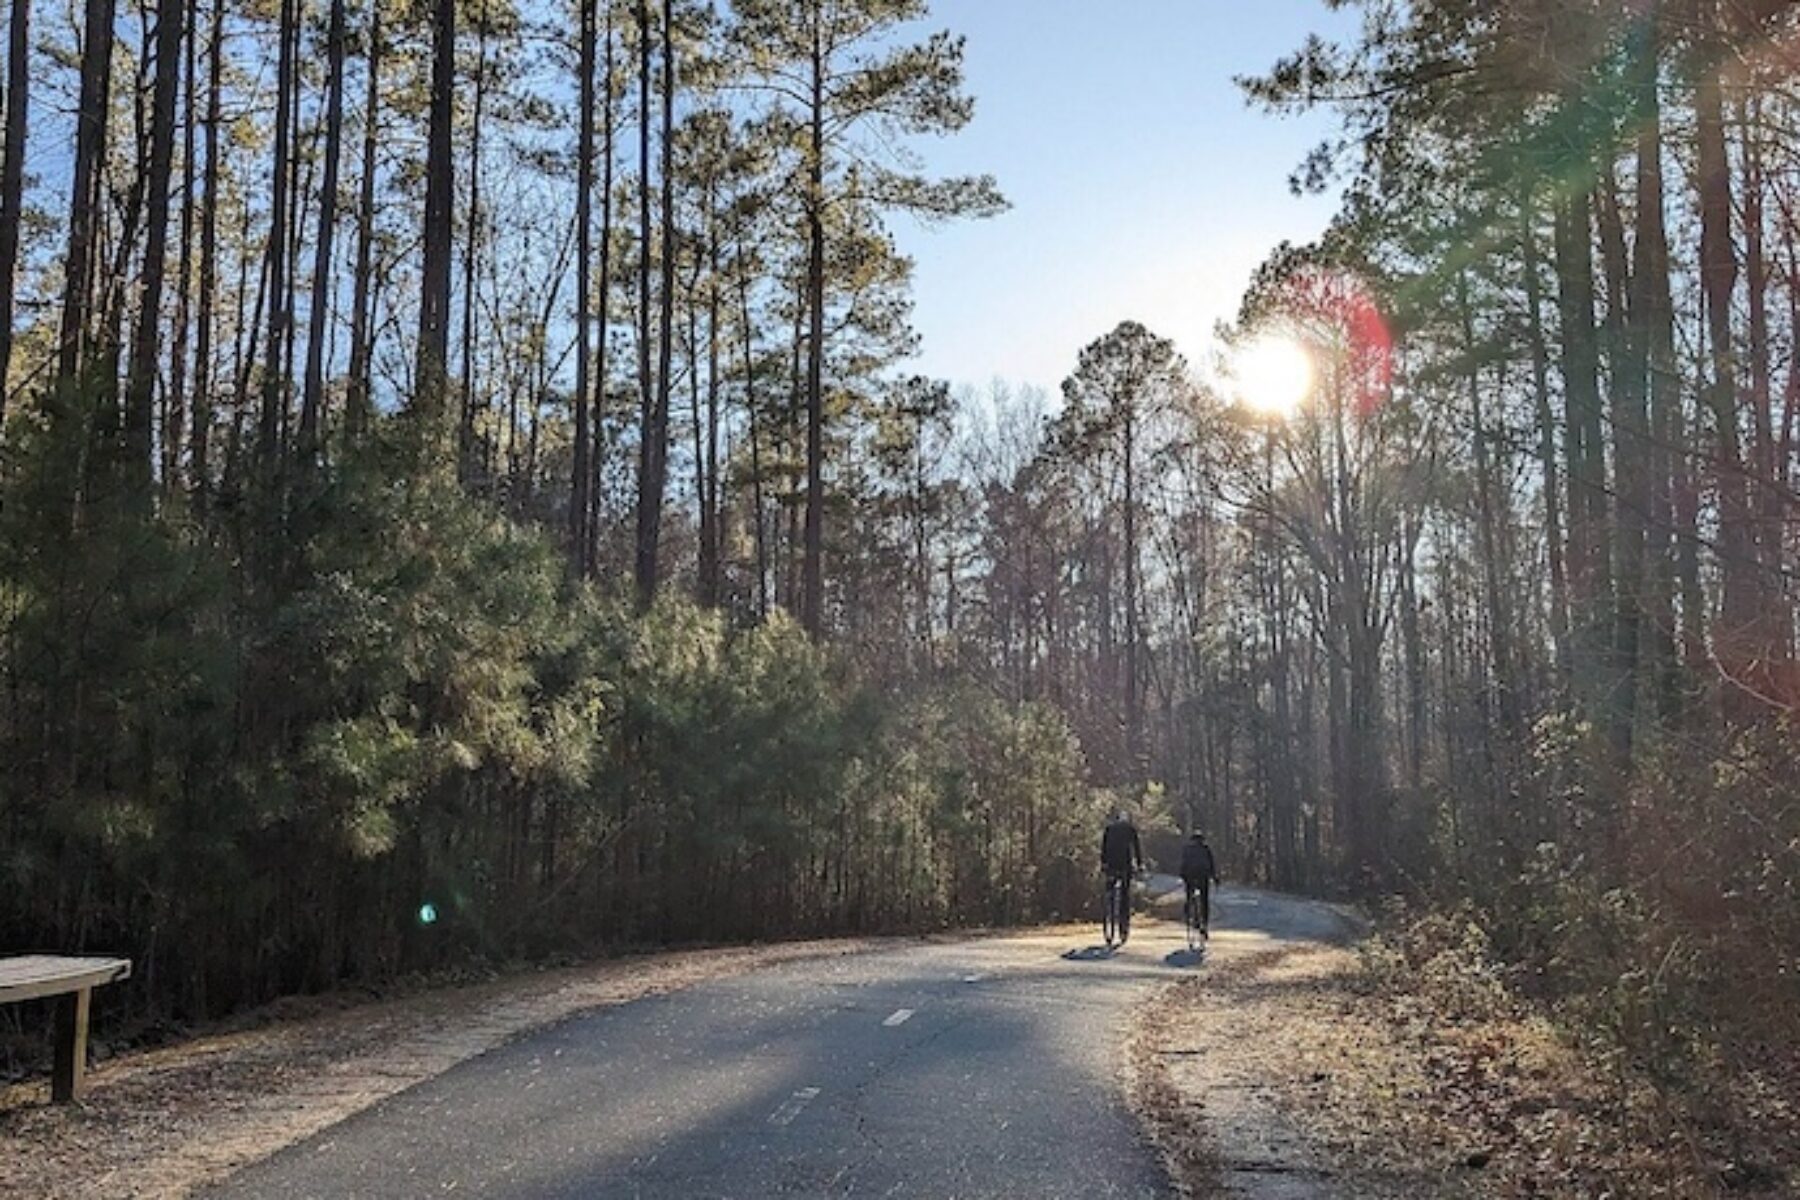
(32, 976)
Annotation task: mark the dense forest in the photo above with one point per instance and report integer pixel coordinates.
(458, 461)
(456, 499)
(1531, 548)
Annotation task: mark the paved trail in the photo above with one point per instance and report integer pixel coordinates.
(972, 1069)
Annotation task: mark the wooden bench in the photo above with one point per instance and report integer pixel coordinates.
(72, 981)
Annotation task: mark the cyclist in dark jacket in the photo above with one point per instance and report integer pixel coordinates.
(1199, 871)
(1121, 856)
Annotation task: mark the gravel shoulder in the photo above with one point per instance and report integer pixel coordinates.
(1220, 1057)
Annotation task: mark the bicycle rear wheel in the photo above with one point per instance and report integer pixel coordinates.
(1109, 914)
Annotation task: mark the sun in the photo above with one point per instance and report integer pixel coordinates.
(1274, 375)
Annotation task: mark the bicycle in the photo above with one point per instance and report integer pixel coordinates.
(1115, 921)
(1196, 930)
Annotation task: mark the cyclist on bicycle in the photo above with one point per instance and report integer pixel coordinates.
(1121, 857)
(1199, 871)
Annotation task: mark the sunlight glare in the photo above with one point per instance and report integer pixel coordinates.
(1274, 375)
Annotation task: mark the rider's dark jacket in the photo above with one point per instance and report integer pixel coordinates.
(1197, 865)
(1119, 849)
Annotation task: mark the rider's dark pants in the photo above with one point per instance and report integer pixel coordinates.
(1124, 879)
(1201, 893)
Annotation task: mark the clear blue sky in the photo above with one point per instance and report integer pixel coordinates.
(1142, 186)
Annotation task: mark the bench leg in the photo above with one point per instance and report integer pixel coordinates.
(67, 1077)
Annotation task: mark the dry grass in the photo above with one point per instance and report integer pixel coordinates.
(1295, 1070)
(1237, 1070)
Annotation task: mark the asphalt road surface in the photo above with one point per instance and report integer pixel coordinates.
(981, 1068)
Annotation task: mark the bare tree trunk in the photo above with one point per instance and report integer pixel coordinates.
(269, 422)
(812, 605)
(1134, 718)
(140, 392)
(1733, 640)
(200, 439)
(313, 399)
(245, 352)
(649, 510)
(1773, 641)
(921, 550)
(1546, 421)
(790, 438)
(440, 188)
(1640, 431)
(1499, 608)
(666, 347)
(468, 462)
(1589, 568)
(1629, 427)
(581, 509)
(1413, 652)
(175, 401)
(113, 286)
(305, 163)
(12, 180)
(711, 534)
(597, 458)
(698, 426)
(84, 198)
(358, 404)
(1667, 421)
(756, 462)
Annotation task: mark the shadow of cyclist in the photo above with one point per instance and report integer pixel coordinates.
(1185, 958)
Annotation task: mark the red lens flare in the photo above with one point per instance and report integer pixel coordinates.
(1335, 316)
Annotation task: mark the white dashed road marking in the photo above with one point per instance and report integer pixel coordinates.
(790, 1108)
(900, 1017)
